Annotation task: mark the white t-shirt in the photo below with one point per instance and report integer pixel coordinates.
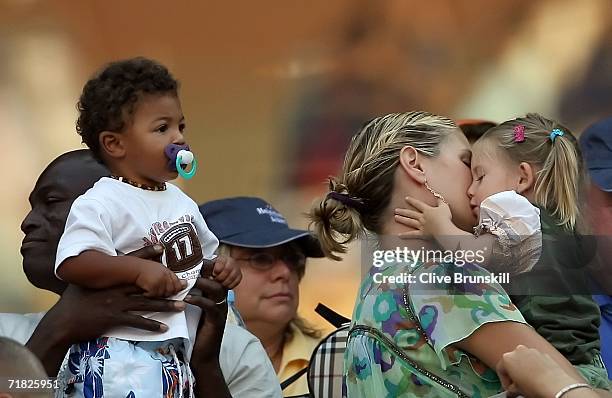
(246, 368)
(116, 218)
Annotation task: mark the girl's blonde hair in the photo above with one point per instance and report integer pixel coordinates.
(557, 158)
(363, 189)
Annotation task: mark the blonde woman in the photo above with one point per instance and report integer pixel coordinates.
(435, 339)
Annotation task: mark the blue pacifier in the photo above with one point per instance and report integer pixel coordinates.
(180, 158)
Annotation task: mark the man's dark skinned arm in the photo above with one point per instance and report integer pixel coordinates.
(207, 347)
(84, 314)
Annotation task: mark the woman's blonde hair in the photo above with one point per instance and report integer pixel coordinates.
(557, 157)
(363, 189)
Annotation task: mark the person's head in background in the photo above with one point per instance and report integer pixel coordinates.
(272, 258)
(18, 363)
(474, 128)
(414, 154)
(67, 177)
(128, 113)
(596, 145)
(538, 158)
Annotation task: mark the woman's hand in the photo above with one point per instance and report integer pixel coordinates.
(425, 219)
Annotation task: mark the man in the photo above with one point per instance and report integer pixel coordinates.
(596, 145)
(272, 258)
(220, 353)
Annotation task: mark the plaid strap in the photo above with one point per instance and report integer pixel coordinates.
(327, 365)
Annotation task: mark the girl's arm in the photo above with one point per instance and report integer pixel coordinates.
(453, 238)
(492, 340)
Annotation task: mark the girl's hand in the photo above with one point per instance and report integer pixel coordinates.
(226, 272)
(158, 281)
(425, 219)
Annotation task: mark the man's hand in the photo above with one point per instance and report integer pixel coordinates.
(84, 314)
(109, 308)
(212, 323)
(207, 346)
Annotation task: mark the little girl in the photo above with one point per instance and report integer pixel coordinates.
(526, 176)
(131, 119)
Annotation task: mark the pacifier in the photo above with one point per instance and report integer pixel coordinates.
(180, 158)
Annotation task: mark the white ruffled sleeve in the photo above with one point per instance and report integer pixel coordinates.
(515, 222)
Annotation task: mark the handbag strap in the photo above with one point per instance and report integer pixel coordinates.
(293, 378)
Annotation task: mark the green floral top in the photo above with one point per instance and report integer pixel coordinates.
(401, 340)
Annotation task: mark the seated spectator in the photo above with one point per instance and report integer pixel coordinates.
(272, 258)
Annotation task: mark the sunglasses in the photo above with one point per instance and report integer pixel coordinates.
(265, 261)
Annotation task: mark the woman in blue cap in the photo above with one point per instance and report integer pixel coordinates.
(272, 258)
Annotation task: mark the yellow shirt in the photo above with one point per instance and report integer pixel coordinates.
(296, 355)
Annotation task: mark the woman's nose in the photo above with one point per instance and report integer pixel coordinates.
(280, 270)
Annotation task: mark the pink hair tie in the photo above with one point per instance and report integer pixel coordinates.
(519, 133)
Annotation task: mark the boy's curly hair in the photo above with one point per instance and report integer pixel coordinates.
(108, 99)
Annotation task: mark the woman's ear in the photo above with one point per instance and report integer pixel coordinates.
(410, 162)
(527, 178)
(111, 144)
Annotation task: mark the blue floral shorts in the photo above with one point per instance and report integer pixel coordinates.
(113, 368)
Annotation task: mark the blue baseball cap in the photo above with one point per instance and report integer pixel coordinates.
(596, 146)
(254, 223)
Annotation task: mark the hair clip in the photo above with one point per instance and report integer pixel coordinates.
(346, 200)
(519, 133)
(555, 133)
